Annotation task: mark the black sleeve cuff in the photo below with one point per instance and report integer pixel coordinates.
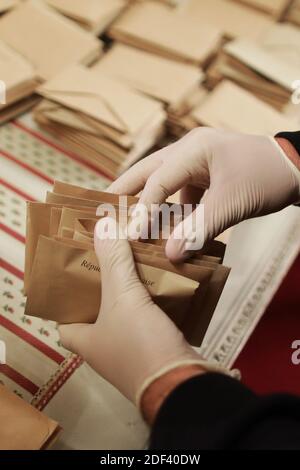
(213, 411)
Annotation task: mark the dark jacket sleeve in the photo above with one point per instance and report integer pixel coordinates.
(292, 137)
(214, 411)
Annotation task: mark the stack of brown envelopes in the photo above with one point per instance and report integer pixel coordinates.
(63, 278)
(293, 14)
(18, 82)
(233, 108)
(22, 427)
(93, 15)
(99, 118)
(276, 8)
(48, 40)
(175, 84)
(267, 68)
(156, 28)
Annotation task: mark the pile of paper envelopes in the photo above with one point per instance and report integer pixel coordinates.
(233, 108)
(93, 15)
(18, 82)
(63, 278)
(105, 122)
(267, 68)
(48, 40)
(174, 84)
(155, 27)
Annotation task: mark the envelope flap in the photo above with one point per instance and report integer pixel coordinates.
(101, 98)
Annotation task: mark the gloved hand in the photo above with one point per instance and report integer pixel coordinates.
(133, 342)
(245, 176)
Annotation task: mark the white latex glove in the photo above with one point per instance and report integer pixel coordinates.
(133, 342)
(245, 176)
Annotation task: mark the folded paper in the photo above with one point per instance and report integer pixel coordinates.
(23, 427)
(46, 39)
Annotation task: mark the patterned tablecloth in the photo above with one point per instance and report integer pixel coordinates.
(92, 413)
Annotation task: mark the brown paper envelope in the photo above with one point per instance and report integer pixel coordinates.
(257, 116)
(205, 299)
(101, 98)
(63, 42)
(22, 426)
(255, 57)
(153, 26)
(76, 270)
(38, 221)
(92, 157)
(57, 115)
(196, 323)
(151, 74)
(258, 85)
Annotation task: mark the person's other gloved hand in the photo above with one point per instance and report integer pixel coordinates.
(133, 342)
(246, 176)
